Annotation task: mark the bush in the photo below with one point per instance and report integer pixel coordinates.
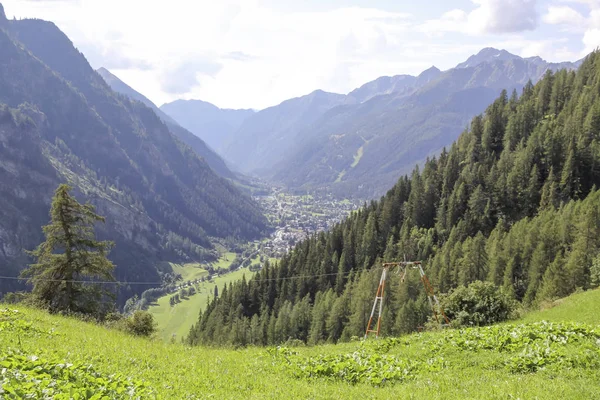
(16, 297)
(141, 323)
(481, 303)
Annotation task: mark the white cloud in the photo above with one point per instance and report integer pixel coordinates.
(591, 40)
(571, 20)
(554, 50)
(451, 21)
(234, 53)
(587, 2)
(188, 74)
(488, 17)
(503, 16)
(564, 15)
(240, 53)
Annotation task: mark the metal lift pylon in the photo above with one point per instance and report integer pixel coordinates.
(379, 296)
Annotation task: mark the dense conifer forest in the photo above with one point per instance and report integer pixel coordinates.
(514, 201)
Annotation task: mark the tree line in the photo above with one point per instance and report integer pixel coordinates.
(513, 202)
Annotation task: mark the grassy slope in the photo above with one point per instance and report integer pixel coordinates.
(177, 372)
(225, 261)
(580, 307)
(358, 156)
(179, 319)
(189, 272)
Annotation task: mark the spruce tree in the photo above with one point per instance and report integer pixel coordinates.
(69, 258)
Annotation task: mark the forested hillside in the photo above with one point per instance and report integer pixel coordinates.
(215, 162)
(62, 123)
(514, 201)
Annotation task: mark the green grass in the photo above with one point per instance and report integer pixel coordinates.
(340, 176)
(179, 319)
(461, 366)
(190, 271)
(225, 260)
(581, 307)
(358, 156)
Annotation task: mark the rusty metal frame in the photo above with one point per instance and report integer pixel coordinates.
(379, 296)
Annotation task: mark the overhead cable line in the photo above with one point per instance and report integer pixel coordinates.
(15, 278)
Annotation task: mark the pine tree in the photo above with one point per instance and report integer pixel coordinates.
(555, 282)
(300, 319)
(361, 302)
(320, 314)
(70, 257)
(256, 333)
(338, 318)
(406, 320)
(369, 242)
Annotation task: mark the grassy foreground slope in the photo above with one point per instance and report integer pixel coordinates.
(449, 364)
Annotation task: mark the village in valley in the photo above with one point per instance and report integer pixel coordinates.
(299, 216)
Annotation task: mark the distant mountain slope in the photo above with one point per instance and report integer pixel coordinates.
(62, 122)
(383, 85)
(266, 137)
(213, 159)
(361, 149)
(207, 121)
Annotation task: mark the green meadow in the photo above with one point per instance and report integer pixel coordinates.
(60, 357)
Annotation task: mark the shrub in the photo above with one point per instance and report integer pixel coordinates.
(140, 323)
(480, 303)
(15, 297)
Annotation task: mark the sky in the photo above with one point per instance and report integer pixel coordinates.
(257, 53)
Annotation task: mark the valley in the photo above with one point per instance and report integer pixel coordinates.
(275, 200)
(293, 217)
(175, 320)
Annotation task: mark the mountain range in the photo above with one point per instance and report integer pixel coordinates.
(61, 122)
(360, 143)
(213, 124)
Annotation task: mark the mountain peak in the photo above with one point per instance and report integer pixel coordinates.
(318, 92)
(490, 52)
(487, 54)
(432, 69)
(535, 59)
(2, 14)
(322, 93)
(428, 75)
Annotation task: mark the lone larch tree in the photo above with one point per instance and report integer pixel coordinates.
(70, 258)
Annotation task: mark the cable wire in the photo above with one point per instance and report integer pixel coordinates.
(16, 278)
